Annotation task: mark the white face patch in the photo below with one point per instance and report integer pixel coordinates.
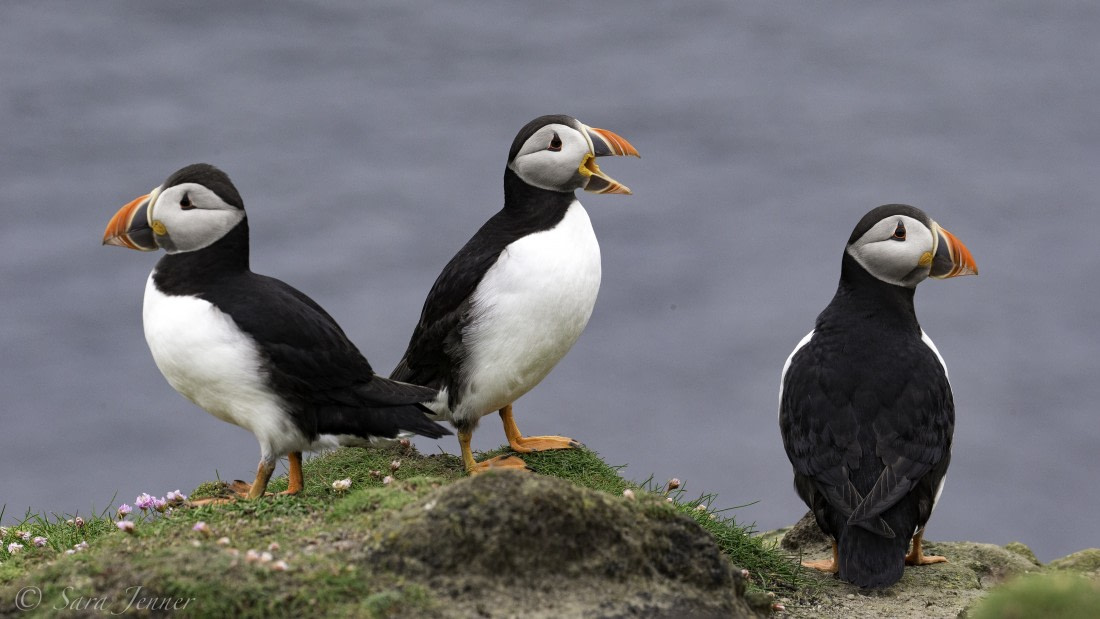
(893, 260)
(550, 158)
(189, 217)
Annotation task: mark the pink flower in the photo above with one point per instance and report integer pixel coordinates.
(125, 526)
(124, 510)
(279, 566)
(15, 547)
(200, 527)
(176, 497)
(144, 501)
(387, 480)
(79, 522)
(40, 541)
(396, 464)
(160, 505)
(23, 535)
(628, 494)
(81, 546)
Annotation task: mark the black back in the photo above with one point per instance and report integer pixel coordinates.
(436, 350)
(867, 417)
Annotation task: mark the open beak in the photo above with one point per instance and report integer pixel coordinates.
(951, 258)
(604, 143)
(130, 227)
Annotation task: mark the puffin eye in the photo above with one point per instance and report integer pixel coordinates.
(185, 203)
(899, 232)
(555, 144)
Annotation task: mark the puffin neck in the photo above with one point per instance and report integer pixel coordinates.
(858, 288)
(227, 256)
(520, 197)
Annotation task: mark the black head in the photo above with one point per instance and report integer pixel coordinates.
(194, 208)
(558, 153)
(901, 245)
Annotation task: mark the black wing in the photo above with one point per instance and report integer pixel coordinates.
(436, 348)
(311, 361)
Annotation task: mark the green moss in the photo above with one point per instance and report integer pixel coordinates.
(1022, 550)
(328, 538)
(1082, 561)
(1051, 596)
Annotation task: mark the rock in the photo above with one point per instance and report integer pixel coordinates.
(939, 590)
(1022, 550)
(805, 536)
(509, 543)
(1084, 561)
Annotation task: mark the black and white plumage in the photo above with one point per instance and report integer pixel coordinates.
(511, 303)
(250, 349)
(865, 406)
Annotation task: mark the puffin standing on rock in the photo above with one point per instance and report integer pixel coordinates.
(516, 297)
(247, 348)
(865, 406)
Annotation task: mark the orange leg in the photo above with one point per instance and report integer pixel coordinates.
(825, 565)
(295, 481)
(528, 444)
(263, 475)
(243, 490)
(474, 467)
(916, 557)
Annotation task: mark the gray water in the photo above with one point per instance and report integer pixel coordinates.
(369, 143)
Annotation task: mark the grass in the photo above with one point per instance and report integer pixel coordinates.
(318, 535)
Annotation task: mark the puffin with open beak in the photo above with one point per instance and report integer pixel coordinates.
(250, 349)
(865, 405)
(516, 297)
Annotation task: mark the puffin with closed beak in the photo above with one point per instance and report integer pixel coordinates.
(250, 349)
(865, 405)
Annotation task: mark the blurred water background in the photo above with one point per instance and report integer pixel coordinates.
(369, 140)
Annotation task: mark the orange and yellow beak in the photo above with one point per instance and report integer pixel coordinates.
(951, 258)
(604, 143)
(130, 227)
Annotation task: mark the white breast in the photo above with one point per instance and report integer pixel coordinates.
(205, 357)
(529, 310)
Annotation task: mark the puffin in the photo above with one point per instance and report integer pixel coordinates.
(250, 349)
(865, 406)
(515, 298)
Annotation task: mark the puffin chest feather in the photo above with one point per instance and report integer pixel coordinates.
(210, 361)
(530, 308)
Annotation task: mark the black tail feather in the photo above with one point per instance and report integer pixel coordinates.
(381, 391)
(384, 422)
(869, 560)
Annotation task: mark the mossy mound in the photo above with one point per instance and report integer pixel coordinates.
(507, 543)
(1086, 562)
(561, 541)
(1057, 595)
